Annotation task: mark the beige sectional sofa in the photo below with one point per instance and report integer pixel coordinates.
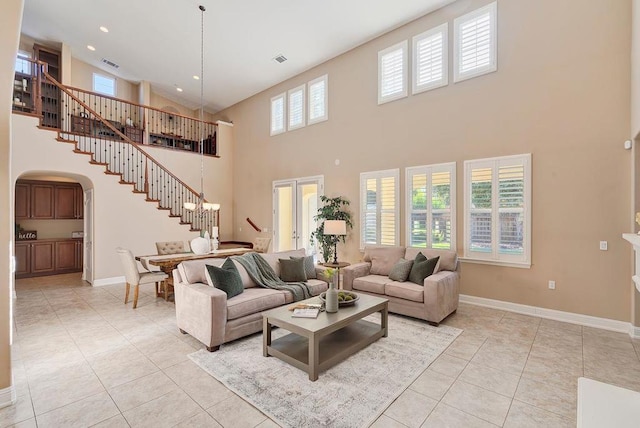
(205, 313)
(433, 301)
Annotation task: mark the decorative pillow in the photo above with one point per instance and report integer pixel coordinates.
(400, 271)
(382, 258)
(292, 270)
(226, 278)
(422, 268)
(309, 266)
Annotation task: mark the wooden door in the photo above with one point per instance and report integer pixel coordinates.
(23, 201)
(42, 257)
(65, 201)
(79, 201)
(65, 256)
(42, 205)
(23, 259)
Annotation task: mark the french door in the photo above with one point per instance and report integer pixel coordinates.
(295, 203)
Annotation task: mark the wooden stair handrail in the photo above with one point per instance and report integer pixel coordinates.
(117, 132)
(255, 226)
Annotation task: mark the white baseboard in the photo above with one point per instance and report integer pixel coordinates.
(552, 314)
(108, 281)
(7, 396)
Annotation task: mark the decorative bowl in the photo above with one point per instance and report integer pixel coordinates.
(343, 302)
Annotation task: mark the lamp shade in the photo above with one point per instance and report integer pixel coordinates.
(335, 227)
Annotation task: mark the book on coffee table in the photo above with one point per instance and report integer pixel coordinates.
(306, 313)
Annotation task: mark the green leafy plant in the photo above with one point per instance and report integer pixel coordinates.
(333, 209)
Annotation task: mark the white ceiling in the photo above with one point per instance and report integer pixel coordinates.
(159, 40)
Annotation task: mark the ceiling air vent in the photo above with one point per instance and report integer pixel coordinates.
(111, 63)
(280, 59)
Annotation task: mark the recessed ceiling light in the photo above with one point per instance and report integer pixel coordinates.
(196, 77)
(91, 48)
(179, 89)
(104, 29)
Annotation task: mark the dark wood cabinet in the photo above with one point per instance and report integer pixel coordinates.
(48, 200)
(42, 258)
(23, 259)
(66, 254)
(23, 201)
(42, 206)
(48, 257)
(79, 256)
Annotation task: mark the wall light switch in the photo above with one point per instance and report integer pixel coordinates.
(552, 285)
(603, 245)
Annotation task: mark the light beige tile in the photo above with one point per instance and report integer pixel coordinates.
(522, 415)
(268, 424)
(117, 421)
(411, 408)
(605, 334)
(432, 384)
(547, 325)
(237, 413)
(200, 420)
(553, 397)
(74, 386)
(444, 416)
(479, 402)
(76, 414)
(448, 365)
(18, 412)
(200, 386)
(121, 366)
(29, 423)
(165, 411)
(465, 346)
(492, 379)
(170, 352)
(509, 358)
(142, 390)
(386, 422)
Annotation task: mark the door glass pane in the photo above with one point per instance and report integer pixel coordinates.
(284, 218)
(308, 208)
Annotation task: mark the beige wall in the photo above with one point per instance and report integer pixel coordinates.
(52, 228)
(561, 92)
(82, 78)
(10, 21)
(160, 102)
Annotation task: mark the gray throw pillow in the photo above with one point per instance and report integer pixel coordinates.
(309, 266)
(422, 268)
(226, 278)
(292, 270)
(400, 271)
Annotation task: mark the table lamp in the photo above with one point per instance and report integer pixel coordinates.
(336, 228)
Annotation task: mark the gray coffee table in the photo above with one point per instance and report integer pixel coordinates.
(317, 344)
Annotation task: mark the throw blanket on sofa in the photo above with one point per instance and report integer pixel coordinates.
(263, 274)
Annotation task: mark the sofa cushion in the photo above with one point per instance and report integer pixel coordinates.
(382, 258)
(404, 290)
(253, 300)
(422, 268)
(273, 258)
(194, 271)
(400, 271)
(309, 266)
(371, 283)
(448, 258)
(316, 287)
(292, 270)
(225, 278)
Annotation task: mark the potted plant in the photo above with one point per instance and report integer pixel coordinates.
(333, 209)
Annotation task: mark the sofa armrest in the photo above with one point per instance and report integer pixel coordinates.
(441, 293)
(201, 311)
(354, 271)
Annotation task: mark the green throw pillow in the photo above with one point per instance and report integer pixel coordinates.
(309, 266)
(226, 278)
(292, 270)
(400, 271)
(422, 268)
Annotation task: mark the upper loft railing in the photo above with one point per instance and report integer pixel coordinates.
(142, 124)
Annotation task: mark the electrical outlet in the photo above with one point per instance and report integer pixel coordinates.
(552, 285)
(240, 229)
(265, 230)
(603, 245)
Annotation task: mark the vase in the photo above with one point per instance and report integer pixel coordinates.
(331, 298)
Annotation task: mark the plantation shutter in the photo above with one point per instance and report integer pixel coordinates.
(277, 114)
(441, 231)
(318, 100)
(418, 208)
(481, 210)
(296, 107)
(476, 42)
(392, 73)
(388, 215)
(379, 208)
(511, 208)
(430, 59)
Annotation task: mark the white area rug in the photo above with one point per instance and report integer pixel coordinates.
(351, 394)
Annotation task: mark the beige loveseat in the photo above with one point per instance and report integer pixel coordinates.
(433, 301)
(205, 313)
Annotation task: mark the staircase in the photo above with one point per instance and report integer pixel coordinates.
(94, 125)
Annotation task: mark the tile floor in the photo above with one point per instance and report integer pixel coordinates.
(83, 358)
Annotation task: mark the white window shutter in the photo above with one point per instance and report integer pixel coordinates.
(476, 43)
(278, 114)
(392, 73)
(430, 59)
(296, 107)
(318, 97)
(379, 208)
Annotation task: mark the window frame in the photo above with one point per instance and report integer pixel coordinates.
(105, 77)
(301, 88)
(378, 175)
(283, 95)
(494, 257)
(444, 80)
(429, 211)
(492, 9)
(325, 116)
(404, 46)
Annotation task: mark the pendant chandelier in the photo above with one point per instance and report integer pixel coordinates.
(201, 207)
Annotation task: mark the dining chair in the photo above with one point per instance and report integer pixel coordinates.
(172, 247)
(134, 277)
(261, 245)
